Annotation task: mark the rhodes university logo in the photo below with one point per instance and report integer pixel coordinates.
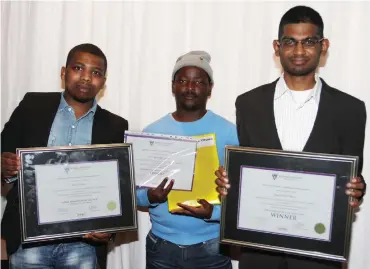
(274, 176)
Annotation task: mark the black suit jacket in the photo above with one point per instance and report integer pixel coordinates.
(29, 126)
(339, 127)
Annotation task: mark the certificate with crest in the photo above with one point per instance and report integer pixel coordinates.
(291, 202)
(71, 191)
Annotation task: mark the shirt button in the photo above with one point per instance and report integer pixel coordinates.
(73, 126)
(69, 109)
(70, 144)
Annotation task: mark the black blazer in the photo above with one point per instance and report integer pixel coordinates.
(339, 127)
(29, 126)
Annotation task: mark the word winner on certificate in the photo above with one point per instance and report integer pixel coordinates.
(291, 203)
(77, 191)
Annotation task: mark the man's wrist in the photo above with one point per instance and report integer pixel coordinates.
(150, 196)
(210, 215)
(216, 212)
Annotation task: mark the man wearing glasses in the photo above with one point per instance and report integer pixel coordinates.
(299, 112)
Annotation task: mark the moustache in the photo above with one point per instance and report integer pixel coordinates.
(189, 94)
(298, 58)
(85, 86)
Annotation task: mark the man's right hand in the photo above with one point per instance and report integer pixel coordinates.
(159, 194)
(222, 181)
(10, 164)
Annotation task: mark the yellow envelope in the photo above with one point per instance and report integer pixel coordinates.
(204, 186)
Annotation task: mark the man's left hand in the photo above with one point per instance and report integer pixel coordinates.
(204, 211)
(98, 237)
(355, 190)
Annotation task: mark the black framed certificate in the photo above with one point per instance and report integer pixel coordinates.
(291, 202)
(71, 191)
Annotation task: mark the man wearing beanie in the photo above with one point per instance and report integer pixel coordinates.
(190, 239)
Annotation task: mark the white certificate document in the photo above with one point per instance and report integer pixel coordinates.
(159, 156)
(77, 191)
(295, 204)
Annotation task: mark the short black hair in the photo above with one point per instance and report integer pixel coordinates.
(87, 48)
(302, 14)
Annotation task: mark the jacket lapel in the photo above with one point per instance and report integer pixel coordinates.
(45, 120)
(268, 117)
(99, 133)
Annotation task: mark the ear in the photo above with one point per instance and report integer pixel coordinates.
(210, 89)
(63, 73)
(276, 46)
(324, 46)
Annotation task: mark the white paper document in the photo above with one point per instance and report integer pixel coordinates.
(295, 204)
(159, 156)
(77, 191)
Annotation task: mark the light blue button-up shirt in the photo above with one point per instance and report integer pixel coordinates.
(69, 131)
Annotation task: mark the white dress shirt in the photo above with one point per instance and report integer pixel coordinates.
(295, 113)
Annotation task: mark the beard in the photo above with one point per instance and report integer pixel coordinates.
(77, 98)
(82, 100)
(189, 107)
(299, 71)
(186, 104)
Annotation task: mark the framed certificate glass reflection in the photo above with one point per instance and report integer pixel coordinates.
(292, 202)
(71, 191)
(158, 156)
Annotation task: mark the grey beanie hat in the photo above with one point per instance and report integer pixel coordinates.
(196, 58)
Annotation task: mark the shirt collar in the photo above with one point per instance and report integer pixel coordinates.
(64, 105)
(282, 88)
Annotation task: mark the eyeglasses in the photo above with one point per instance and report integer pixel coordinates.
(307, 43)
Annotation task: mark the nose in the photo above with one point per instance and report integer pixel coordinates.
(86, 76)
(191, 85)
(299, 49)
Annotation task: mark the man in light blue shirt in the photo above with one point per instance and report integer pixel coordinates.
(188, 239)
